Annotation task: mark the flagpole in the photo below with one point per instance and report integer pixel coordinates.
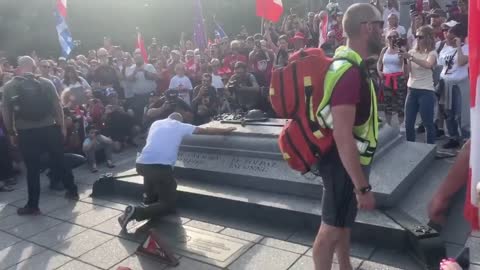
(262, 26)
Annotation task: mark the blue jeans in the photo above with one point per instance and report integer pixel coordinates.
(423, 102)
(454, 116)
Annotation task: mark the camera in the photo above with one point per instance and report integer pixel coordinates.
(171, 96)
(400, 42)
(413, 7)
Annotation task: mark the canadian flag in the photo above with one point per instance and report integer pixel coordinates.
(473, 199)
(141, 46)
(270, 10)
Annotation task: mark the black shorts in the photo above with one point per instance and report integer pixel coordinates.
(339, 204)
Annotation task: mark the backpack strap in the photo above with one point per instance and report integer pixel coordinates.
(440, 47)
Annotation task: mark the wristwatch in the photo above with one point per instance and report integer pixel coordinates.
(365, 190)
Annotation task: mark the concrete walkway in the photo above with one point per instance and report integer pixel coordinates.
(84, 235)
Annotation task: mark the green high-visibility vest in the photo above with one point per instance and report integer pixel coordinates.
(366, 134)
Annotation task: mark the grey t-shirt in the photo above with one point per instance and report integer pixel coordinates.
(9, 91)
(141, 85)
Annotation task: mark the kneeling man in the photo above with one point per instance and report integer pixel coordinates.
(156, 163)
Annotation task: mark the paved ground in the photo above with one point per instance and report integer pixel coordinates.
(85, 235)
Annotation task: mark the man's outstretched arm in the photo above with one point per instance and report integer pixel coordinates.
(214, 131)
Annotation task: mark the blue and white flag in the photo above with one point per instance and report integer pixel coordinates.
(64, 35)
(218, 31)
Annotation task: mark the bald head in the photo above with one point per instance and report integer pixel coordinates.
(358, 14)
(176, 116)
(26, 64)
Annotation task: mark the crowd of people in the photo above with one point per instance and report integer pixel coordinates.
(109, 97)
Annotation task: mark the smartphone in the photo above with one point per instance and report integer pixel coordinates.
(413, 7)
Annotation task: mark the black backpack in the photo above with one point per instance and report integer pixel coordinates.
(32, 102)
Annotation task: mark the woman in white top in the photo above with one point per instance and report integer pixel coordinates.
(391, 70)
(455, 90)
(421, 92)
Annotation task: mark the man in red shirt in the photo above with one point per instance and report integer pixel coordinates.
(345, 174)
(230, 60)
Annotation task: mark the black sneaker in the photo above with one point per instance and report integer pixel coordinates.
(451, 144)
(72, 195)
(440, 133)
(420, 129)
(126, 217)
(28, 211)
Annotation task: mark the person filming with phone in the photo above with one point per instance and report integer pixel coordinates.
(142, 78)
(391, 70)
(453, 88)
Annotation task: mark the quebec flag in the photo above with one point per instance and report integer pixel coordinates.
(64, 35)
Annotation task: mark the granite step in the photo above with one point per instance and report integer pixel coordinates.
(370, 226)
(393, 172)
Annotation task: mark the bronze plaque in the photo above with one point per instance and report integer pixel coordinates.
(213, 248)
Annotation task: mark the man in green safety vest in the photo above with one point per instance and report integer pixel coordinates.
(349, 107)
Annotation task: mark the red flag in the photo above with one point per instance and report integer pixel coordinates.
(62, 7)
(270, 10)
(141, 46)
(323, 25)
(157, 249)
(473, 198)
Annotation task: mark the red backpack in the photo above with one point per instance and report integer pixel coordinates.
(296, 92)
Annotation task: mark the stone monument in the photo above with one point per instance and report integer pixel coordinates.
(245, 172)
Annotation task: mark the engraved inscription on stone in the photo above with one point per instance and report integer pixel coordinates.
(253, 164)
(208, 245)
(259, 167)
(196, 159)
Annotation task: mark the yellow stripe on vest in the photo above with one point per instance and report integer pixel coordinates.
(272, 91)
(307, 81)
(318, 134)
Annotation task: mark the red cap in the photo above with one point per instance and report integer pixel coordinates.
(299, 35)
